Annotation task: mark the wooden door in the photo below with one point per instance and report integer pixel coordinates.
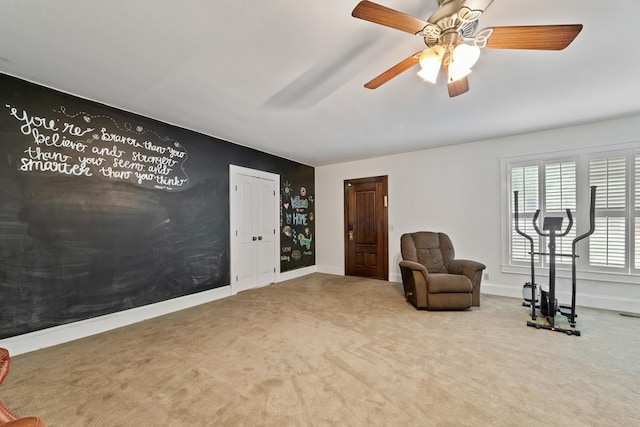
(365, 227)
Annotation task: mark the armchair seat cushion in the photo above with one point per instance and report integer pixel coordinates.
(439, 283)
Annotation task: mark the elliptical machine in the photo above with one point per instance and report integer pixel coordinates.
(549, 307)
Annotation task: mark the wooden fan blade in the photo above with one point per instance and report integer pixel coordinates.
(458, 87)
(373, 12)
(400, 67)
(542, 37)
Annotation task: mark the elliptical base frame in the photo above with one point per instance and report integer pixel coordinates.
(537, 325)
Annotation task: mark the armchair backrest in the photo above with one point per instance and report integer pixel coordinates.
(431, 249)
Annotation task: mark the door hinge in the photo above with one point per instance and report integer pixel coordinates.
(236, 233)
(236, 277)
(386, 202)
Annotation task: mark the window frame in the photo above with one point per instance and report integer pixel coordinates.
(606, 212)
(630, 273)
(541, 262)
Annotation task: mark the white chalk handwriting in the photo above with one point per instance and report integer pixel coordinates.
(68, 144)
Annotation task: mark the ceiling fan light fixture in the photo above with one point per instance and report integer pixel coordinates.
(457, 71)
(430, 76)
(430, 63)
(466, 55)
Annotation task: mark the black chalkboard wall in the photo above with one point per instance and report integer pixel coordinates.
(102, 210)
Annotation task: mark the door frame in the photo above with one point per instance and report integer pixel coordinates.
(385, 219)
(240, 170)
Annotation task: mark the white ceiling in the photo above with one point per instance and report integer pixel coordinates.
(286, 76)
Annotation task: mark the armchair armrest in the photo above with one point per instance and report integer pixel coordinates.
(466, 267)
(415, 266)
(414, 281)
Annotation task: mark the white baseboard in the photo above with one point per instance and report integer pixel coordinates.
(294, 274)
(500, 290)
(64, 333)
(626, 305)
(338, 271)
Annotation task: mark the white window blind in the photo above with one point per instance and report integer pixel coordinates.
(636, 214)
(524, 180)
(609, 174)
(560, 194)
(558, 188)
(637, 181)
(607, 245)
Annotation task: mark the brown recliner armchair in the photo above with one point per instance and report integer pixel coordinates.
(8, 418)
(432, 278)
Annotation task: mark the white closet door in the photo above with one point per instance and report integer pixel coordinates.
(253, 225)
(264, 220)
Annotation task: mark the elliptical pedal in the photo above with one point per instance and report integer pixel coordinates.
(565, 311)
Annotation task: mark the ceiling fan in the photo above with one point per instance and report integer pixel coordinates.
(453, 43)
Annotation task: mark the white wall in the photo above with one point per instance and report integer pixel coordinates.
(457, 190)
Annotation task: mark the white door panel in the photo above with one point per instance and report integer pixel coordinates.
(245, 254)
(253, 224)
(265, 246)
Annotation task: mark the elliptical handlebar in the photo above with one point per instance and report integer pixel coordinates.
(564, 233)
(531, 253)
(592, 227)
(570, 218)
(592, 219)
(535, 223)
(520, 232)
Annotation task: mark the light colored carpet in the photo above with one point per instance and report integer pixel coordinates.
(328, 350)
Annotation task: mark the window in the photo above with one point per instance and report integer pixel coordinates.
(560, 195)
(524, 180)
(553, 185)
(558, 192)
(607, 245)
(636, 213)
